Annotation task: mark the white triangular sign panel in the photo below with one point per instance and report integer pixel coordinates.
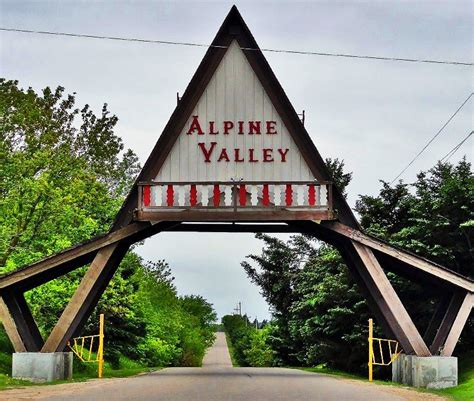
(234, 132)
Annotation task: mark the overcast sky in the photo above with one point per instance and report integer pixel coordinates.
(375, 115)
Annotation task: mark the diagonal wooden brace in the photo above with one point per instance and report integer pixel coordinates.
(447, 321)
(86, 296)
(11, 328)
(460, 320)
(436, 320)
(388, 301)
(19, 324)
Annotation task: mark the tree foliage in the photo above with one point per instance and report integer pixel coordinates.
(319, 314)
(63, 176)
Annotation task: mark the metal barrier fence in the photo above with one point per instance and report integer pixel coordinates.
(391, 348)
(83, 347)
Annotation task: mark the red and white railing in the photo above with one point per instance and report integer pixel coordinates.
(235, 195)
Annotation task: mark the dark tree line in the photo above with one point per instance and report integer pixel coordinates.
(319, 314)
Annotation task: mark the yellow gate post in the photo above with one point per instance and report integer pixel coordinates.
(385, 345)
(79, 343)
(371, 349)
(101, 345)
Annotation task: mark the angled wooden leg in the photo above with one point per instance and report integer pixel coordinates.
(388, 301)
(460, 320)
(373, 306)
(86, 296)
(11, 328)
(447, 321)
(436, 320)
(19, 323)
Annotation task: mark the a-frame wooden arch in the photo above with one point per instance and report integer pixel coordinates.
(335, 224)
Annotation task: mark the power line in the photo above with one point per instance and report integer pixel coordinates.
(455, 149)
(311, 53)
(432, 139)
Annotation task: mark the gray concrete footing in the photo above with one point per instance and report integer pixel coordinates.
(433, 372)
(42, 366)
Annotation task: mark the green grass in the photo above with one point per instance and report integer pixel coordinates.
(84, 372)
(463, 392)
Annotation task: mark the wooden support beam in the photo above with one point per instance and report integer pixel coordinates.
(82, 302)
(388, 301)
(343, 245)
(447, 321)
(458, 324)
(91, 287)
(242, 215)
(366, 292)
(410, 259)
(233, 228)
(66, 261)
(10, 327)
(18, 314)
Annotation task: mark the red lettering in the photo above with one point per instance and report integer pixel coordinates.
(251, 159)
(241, 127)
(254, 127)
(228, 125)
(207, 153)
(224, 155)
(237, 158)
(271, 128)
(283, 154)
(195, 126)
(267, 155)
(211, 128)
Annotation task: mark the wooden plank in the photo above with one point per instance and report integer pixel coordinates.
(234, 228)
(211, 215)
(410, 259)
(80, 254)
(447, 321)
(458, 325)
(25, 325)
(10, 328)
(84, 299)
(396, 315)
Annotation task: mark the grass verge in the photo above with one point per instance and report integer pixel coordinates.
(83, 372)
(463, 392)
(230, 347)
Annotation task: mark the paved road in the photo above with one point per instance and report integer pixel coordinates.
(218, 381)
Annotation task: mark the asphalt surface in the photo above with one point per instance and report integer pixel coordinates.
(217, 380)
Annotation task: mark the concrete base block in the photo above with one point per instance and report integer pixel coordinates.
(42, 367)
(433, 372)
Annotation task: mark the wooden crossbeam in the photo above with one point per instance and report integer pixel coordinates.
(388, 301)
(234, 228)
(244, 215)
(408, 258)
(458, 324)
